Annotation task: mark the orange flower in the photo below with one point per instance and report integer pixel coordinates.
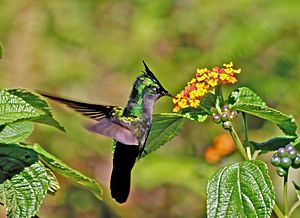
(204, 81)
(223, 145)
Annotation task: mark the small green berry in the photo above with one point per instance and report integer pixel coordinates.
(281, 172)
(224, 116)
(232, 115)
(292, 154)
(225, 108)
(275, 160)
(285, 162)
(289, 147)
(216, 118)
(226, 125)
(296, 162)
(281, 152)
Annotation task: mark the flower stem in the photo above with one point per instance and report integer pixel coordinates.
(220, 94)
(285, 195)
(245, 126)
(238, 143)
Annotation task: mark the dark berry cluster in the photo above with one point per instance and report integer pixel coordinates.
(285, 158)
(226, 116)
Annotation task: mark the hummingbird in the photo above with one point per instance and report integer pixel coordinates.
(129, 127)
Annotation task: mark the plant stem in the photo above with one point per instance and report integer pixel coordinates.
(220, 94)
(285, 195)
(238, 143)
(278, 211)
(219, 99)
(245, 126)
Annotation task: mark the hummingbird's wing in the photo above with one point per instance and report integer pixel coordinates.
(108, 124)
(94, 111)
(116, 129)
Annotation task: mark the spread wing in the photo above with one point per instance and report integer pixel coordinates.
(94, 111)
(107, 124)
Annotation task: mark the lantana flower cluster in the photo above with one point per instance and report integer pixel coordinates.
(204, 80)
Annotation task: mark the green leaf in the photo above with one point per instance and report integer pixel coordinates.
(194, 114)
(39, 104)
(208, 102)
(14, 159)
(274, 143)
(13, 108)
(245, 100)
(297, 189)
(24, 193)
(241, 190)
(54, 185)
(165, 127)
(15, 132)
(296, 143)
(68, 172)
(200, 113)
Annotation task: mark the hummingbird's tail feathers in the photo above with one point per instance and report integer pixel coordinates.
(94, 111)
(123, 162)
(115, 129)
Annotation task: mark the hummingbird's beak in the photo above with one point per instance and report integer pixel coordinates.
(166, 93)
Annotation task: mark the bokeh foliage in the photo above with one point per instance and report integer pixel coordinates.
(92, 50)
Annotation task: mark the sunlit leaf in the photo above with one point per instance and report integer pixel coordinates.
(23, 194)
(68, 172)
(245, 100)
(164, 128)
(15, 132)
(14, 159)
(241, 190)
(274, 143)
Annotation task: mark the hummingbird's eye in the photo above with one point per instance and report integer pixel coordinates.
(155, 89)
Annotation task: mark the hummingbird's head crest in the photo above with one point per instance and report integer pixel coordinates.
(153, 81)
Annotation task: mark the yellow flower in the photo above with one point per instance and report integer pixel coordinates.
(228, 65)
(204, 81)
(201, 78)
(192, 82)
(224, 76)
(237, 71)
(202, 71)
(212, 82)
(228, 70)
(213, 74)
(176, 109)
(232, 80)
(194, 103)
(182, 103)
(176, 98)
(194, 94)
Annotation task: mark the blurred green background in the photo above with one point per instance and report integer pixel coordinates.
(93, 50)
